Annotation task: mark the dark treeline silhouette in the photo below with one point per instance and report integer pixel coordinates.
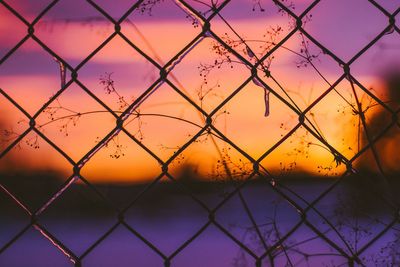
(35, 188)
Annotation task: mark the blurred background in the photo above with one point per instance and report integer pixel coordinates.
(260, 186)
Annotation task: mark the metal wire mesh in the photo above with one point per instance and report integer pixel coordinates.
(306, 209)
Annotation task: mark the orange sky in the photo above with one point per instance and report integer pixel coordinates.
(245, 123)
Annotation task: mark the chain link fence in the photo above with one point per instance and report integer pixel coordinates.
(358, 234)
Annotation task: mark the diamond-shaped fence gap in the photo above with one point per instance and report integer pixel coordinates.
(219, 159)
(21, 74)
(28, 176)
(342, 130)
(251, 129)
(258, 216)
(347, 22)
(376, 129)
(208, 77)
(125, 246)
(68, 122)
(216, 174)
(69, 217)
(302, 154)
(251, 38)
(10, 36)
(355, 211)
(118, 74)
(121, 168)
(213, 248)
(175, 29)
(378, 60)
(152, 121)
(384, 251)
(299, 71)
(37, 251)
(13, 219)
(28, 9)
(305, 248)
(166, 216)
(65, 23)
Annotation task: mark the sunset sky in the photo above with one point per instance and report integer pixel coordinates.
(74, 29)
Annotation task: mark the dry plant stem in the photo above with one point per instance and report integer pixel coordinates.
(266, 95)
(266, 113)
(316, 128)
(228, 172)
(308, 59)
